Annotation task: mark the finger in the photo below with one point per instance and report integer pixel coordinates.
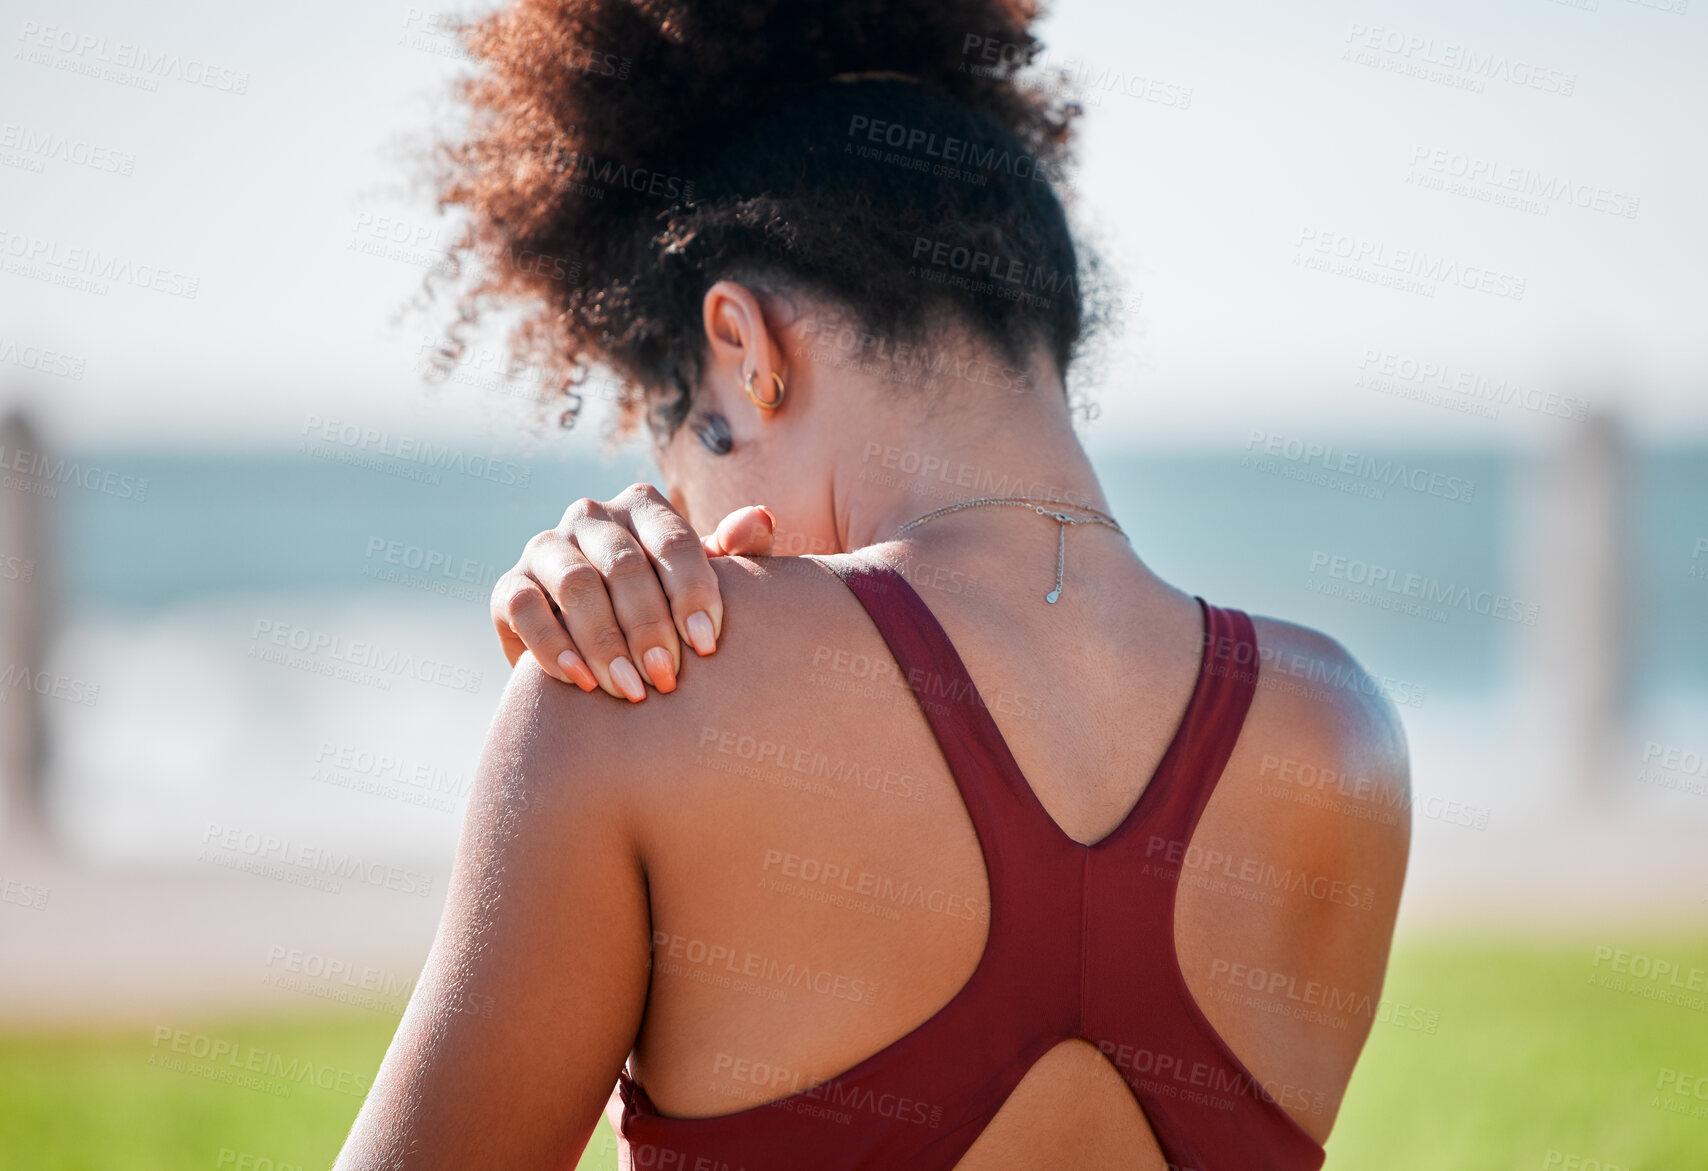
(690, 587)
(527, 623)
(746, 532)
(577, 588)
(635, 596)
(509, 640)
(500, 604)
(543, 559)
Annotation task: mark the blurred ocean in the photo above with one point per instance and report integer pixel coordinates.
(299, 643)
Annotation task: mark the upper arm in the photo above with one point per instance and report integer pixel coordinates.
(1316, 803)
(1340, 802)
(533, 991)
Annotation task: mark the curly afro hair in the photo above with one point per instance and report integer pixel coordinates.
(621, 156)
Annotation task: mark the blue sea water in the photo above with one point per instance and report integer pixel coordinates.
(265, 522)
(174, 569)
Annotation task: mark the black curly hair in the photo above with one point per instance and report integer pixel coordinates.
(882, 156)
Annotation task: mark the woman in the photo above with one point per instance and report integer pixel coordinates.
(975, 844)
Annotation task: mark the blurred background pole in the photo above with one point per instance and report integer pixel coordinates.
(25, 516)
(1574, 563)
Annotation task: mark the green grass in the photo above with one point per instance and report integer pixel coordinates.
(1528, 1056)
(96, 1103)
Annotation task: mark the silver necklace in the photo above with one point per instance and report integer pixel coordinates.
(1062, 519)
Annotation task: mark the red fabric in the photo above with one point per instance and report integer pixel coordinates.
(1081, 945)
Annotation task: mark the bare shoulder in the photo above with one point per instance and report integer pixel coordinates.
(781, 615)
(1310, 827)
(1326, 735)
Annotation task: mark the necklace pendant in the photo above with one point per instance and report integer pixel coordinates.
(1061, 562)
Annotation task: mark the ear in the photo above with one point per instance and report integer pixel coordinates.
(739, 342)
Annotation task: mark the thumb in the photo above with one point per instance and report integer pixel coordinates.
(746, 532)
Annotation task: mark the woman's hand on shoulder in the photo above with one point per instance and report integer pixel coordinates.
(616, 589)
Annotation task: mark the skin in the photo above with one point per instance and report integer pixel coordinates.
(605, 837)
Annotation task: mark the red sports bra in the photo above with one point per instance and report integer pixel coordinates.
(1081, 944)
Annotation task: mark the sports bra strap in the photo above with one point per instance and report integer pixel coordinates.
(1080, 944)
(1202, 745)
(972, 745)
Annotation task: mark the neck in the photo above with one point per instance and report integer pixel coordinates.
(912, 461)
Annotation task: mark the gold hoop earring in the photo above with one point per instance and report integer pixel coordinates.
(757, 401)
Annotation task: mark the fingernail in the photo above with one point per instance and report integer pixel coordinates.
(768, 516)
(570, 663)
(627, 680)
(701, 633)
(660, 668)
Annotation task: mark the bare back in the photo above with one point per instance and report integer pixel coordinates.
(817, 889)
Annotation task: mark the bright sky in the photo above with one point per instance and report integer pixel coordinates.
(1375, 140)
